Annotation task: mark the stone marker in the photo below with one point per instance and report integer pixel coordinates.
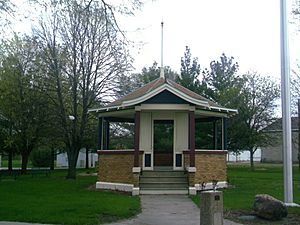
(269, 208)
(211, 208)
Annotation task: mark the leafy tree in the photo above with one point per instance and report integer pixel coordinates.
(130, 83)
(189, 72)
(221, 83)
(84, 53)
(256, 111)
(22, 99)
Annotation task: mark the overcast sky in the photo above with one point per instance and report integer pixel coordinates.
(248, 30)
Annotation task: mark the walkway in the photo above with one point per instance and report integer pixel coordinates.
(167, 210)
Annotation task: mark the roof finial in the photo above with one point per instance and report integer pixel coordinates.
(162, 70)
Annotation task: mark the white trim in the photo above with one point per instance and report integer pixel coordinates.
(148, 167)
(159, 90)
(136, 169)
(135, 191)
(210, 113)
(209, 186)
(192, 191)
(191, 169)
(224, 109)
(114, 186)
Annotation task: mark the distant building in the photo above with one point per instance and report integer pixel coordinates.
(273, 152)
(244, 156)
(62, 159)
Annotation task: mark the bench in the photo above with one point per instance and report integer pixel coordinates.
(9, 174)
(39, 171)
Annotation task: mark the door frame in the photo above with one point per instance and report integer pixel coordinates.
(163, 116)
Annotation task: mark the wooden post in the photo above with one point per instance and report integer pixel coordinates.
(192, 137)
(224, 133)
(215, 135)
(100, 133)
(137, 118)
(107, 134)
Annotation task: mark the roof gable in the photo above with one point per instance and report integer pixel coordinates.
(165, 97)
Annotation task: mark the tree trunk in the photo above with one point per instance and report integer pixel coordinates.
(251, 159)
(10, 160)
(25, 158)
(72, 161)
(87, 158)
(52, 159)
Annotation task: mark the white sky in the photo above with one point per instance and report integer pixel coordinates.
(248, 30)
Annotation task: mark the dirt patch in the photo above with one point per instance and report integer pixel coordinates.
(249, 217)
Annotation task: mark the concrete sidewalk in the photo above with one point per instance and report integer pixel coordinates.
(161, 210)
(167, 210)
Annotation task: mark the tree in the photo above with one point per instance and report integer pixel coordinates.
(22, 100)
(256, 111)
(84, 53)
(7, 10)
(130, 83)
(221, 83)
(189, 72)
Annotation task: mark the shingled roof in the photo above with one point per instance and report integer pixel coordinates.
(151, 89)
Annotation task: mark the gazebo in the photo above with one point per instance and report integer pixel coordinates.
(161, 109)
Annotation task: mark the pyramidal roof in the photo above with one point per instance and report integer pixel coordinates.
(157, 86)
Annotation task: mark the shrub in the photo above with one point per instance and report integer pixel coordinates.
(41, 157)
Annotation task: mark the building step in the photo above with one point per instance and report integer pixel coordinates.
(164, 174)
(164, 192)
(163, 181)
(163, 185)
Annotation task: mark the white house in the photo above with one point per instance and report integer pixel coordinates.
(62, 159)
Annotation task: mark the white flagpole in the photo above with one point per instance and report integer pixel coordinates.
(162, 70)
(286, 103)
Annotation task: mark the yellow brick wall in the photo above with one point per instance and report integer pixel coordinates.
(117, 168)
(208, 167)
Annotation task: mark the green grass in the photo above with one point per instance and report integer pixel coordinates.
(265, 179)
(56, 200)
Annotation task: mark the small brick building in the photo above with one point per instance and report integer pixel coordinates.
(163, 109)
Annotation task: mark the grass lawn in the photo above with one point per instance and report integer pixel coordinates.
(56, 200)
(265, 179)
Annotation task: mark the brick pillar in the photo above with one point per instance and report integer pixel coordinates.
(192, 137)
(137, 118)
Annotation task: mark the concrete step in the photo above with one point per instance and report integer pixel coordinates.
(163, 179)
(166, 185)
(163, 174)
(164, 192)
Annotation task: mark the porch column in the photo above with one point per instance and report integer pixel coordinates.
(100, 133)
(137, 118)
(215, 135)
(192, 137)
(224, 133)
(106, 139)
